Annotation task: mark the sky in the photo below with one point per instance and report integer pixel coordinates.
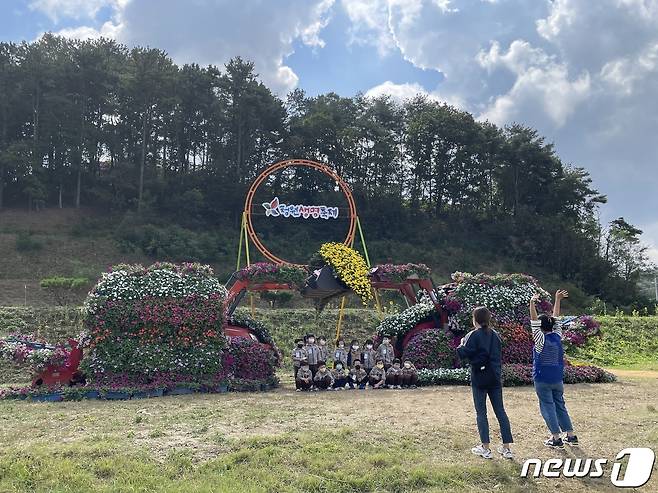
(583, 72)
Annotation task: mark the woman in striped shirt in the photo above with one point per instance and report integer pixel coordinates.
(548, 373)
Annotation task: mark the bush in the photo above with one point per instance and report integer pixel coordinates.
(26, 242)
(430, 349)
(164, 319)
(64, 290)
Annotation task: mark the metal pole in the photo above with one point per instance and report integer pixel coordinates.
(655, 285)
(237, 267)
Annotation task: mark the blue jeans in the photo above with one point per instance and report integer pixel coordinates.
(552, 406)
(496, 398)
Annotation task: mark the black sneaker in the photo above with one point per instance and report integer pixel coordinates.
(573, 441)
(554, 443)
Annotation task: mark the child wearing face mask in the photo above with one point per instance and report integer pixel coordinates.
(299, 354)
(369, 356)
(358, 376)
(324, 351)
(323, 379)
(340, 377)
(394, 375)
(386, 352)
(312, 353)
(354, 353)
(340, 354)
(409, 375)
(377, 377)
(304, 379)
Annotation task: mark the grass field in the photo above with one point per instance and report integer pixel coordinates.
(350, 441)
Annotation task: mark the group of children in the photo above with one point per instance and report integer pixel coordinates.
(352, 368)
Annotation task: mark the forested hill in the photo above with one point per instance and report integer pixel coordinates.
(167, 152)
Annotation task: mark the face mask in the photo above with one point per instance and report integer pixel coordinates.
(341, 345)
(355, 347)
(407, 365)
(396, 366)
(380, 366)
(339, 367)
(369, 346)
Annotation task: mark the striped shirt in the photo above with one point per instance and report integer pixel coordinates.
(539, 337)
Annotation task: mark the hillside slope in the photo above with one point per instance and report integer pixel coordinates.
(84, 243)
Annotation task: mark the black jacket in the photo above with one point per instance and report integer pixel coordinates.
(476, 345)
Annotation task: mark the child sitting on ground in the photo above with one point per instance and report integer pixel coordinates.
(323, 379)
(409, 374)
(377, 377)
(304, 379)
(394, 375)
(340, 354)
(358, 376)
(339, 376)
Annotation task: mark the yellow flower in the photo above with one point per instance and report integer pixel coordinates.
(350, 267)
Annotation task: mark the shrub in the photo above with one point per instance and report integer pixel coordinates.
(26, 242)
(164, 319)
(430, 349)
(64, 290)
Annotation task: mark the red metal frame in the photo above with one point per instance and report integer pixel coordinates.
(64, 374)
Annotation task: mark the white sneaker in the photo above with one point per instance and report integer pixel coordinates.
(298, 390)
(505, 452)
(482, 452)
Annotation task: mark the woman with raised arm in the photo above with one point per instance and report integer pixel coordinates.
(548, 372)
(482, 347)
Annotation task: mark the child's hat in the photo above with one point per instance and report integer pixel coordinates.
(396, 360)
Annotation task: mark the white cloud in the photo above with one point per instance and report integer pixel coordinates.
(208, 32)
(541, 85)
(399, 92)
(74, 9)
(405, 91)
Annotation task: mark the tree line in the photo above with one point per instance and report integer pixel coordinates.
(95, 124)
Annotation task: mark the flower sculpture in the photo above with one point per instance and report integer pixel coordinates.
(350, 268)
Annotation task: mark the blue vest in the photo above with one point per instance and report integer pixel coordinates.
(548, 366)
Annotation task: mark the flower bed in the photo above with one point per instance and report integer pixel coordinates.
(400, 272)
(252, 360)
(165, 319)
(278, 273)
(513, 375)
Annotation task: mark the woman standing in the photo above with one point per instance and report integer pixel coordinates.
(548, 373)
(482, 347)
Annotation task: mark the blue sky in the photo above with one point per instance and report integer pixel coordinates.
(582, 72)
